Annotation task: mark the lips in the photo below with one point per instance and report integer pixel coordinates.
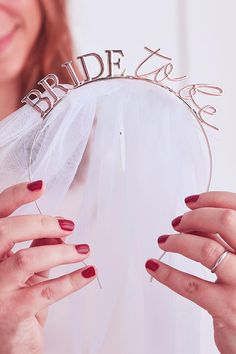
(5, 40)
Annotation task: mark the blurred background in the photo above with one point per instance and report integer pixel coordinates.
(198, 35)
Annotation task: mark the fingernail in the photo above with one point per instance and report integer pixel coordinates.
(35, 186)
(176, 221)
(192, 198)
(67, 225)
(47, 241)
(83, 249)
(162, 238)
(88, 272)
(152, 265)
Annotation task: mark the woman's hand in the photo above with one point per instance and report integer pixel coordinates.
(212, 213)
(25, 291)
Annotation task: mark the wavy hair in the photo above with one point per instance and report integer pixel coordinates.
(52, 47)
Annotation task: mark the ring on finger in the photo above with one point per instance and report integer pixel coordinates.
(219, 260)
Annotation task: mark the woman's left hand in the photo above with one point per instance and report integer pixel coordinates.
(212, 213)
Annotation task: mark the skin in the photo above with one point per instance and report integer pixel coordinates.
(20, 25)
(213, 213)
(25, 290)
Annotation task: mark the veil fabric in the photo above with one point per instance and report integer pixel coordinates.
(118, 157)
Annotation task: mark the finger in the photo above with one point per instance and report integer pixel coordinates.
(215, 237)
(27, 227)
(6, 255)
(202, 250)
(37, 278)
(216, 199)
(16, 270)
(19, 194)
(38, 242)
(51, 291)
(61, 217)
(213, 220)
(42, 316)
(47, 242)
(189, 286)
(43, 242)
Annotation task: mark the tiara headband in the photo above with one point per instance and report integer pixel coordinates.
(120, 204)
(55, 91)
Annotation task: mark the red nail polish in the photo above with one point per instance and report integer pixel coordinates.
(152, 265)
(162, 238)
(192, 198)
(176, 221)
(46, 241)
(88, 272)
(67, 225)
(83, 249)
(35, 186)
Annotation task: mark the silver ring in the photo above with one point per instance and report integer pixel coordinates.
(219, 260)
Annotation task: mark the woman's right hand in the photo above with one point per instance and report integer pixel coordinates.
(25, 291)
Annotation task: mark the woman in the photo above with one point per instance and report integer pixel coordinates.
(31, 30)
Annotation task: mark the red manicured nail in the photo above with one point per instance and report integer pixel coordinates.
(176, 221)
(88, 272)
(192, 198)
(83, 249)
(47, 241)
(67, 225)
(162, 238)
(35, 186)
(152, 265)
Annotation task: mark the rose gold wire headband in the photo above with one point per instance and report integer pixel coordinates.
(110, 67)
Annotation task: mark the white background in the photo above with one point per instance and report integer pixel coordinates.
(198, 35)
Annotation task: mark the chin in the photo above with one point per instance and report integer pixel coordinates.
(11, 65)
(10, 71)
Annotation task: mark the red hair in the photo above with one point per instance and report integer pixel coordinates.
(52, 48)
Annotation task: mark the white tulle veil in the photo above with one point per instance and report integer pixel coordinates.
(118, 157)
